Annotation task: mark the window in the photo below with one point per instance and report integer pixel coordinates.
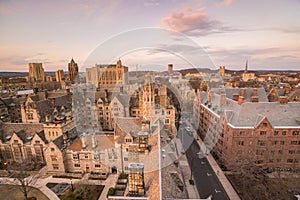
(126, 168)
(241, 143)
(275, 132)
(125, 159)
(281, 142)
(295, 133)
(52, 149)
(167, 121)
(128, 140)
(283, 132)
(86, 156)
(259, 161)
(53, 158)
(97, 165)
(75, 156)
(37, 142)
(279, 151)
(77, 165)
(242, 133)
(265, 124)
(15, 141)
(292, 151)
(261, 142)
(263, 132)
(260, 152)
(55, 166)
(96, 156)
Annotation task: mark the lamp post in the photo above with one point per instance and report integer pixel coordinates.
(72, 188)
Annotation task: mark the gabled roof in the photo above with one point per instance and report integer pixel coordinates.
(127, 125)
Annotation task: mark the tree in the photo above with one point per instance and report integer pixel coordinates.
(22, 176)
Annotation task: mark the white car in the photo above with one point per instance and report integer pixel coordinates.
(188, 129)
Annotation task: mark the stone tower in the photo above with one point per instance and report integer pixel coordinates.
(36, 72)
(72, 71)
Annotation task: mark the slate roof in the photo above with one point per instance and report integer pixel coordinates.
(249, 114)
(261, 93)
(277, 114)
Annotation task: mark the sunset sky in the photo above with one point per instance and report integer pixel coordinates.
(265, 32)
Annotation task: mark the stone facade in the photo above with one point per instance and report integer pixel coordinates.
(36, 72)
(72, 71)
(107, 77)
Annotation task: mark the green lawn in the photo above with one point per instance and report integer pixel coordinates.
(13, 192)
(51, 185)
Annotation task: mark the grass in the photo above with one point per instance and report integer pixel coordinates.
(51, 185)
(90, 192)
(13, 192)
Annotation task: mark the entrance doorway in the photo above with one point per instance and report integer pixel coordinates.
(114, 170)
(87, 169)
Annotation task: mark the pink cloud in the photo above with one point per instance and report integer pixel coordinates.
(187, 9)
(201, 9)
(228, 2)
(188, 23)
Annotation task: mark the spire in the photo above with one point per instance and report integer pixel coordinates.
(72, 60)
(246, 67)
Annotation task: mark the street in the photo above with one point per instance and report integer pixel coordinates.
(205, 179)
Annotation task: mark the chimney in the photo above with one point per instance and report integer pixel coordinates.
(83, 140)
(235, 97)
(287, 89)
(170, 69)
(121, 89)
(254, 92)
(94, 142)
(222, 99)
(241, 100)
(210, 96)
(66, 139)
(283, 100)
(106, 93)
(243, 92)
(254, 99)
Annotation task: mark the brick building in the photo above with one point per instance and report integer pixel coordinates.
(267, 134)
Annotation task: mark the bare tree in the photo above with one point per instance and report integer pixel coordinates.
(22, 174)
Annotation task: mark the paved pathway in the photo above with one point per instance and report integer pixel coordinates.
(41, 184)
(109, 182)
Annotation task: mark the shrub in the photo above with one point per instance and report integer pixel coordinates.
(111, 192)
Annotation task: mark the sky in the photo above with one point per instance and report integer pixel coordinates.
(150, 33)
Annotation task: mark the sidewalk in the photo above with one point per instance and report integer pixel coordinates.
(218, 171)
(186, 172)
(109, 182)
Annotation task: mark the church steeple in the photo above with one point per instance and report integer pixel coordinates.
(246, 67)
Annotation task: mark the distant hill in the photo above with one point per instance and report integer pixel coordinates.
(196, 70)
(11, 74)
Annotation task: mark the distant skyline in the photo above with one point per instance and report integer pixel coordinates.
(267, 33)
